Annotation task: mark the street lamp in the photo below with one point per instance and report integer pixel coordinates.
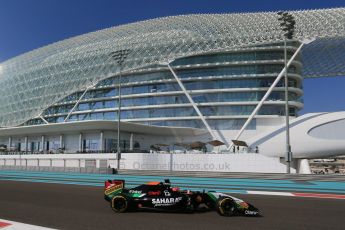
(119, 56)
(288, 27)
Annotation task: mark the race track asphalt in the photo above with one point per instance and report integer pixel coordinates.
(82, 207)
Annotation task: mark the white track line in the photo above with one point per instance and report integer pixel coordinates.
(270, 193)
(298, 194)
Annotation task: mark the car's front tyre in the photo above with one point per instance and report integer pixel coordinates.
(226, 207)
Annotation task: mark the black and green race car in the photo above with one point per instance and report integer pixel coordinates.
(161, 196)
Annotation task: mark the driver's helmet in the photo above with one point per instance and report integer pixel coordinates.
(175, 189)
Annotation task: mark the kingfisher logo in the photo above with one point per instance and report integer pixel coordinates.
(166, 201)
(113, 188)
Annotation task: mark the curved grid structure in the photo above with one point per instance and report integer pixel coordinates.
(225, 85)
(36, 80)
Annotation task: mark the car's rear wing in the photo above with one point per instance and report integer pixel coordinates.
(112, 187)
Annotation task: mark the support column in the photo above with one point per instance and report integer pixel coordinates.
(61, 142)
(280, 75)
(131, 142)
(80, 142)
(42, 143)
(9, 143)
(303, 166)
(26, 144)
(101, 141)
(77, 103)
(202, 118)
(44, 120)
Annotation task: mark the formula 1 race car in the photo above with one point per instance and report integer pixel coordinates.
(161, 196)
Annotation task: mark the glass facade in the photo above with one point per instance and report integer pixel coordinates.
(35, 80)
(225, 86)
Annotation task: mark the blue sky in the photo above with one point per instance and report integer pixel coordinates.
(30, 24)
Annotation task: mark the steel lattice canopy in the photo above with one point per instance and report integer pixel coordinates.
(35, 80)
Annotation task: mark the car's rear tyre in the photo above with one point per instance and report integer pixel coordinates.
(226, 207)
(119, 204)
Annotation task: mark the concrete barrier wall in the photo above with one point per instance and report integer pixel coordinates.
(155, 161)
(203, 162)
